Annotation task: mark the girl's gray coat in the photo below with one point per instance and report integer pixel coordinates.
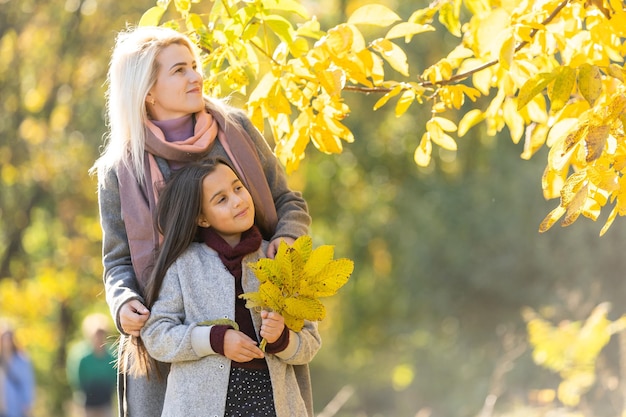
(196, 288)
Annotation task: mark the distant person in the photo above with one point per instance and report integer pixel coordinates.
(91, 368)
(16, 378)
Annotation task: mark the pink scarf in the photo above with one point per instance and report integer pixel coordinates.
(138, 201)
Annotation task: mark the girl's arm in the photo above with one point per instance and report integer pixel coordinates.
(119, 277)
(166, 336)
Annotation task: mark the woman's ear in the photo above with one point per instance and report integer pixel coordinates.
(203, 222)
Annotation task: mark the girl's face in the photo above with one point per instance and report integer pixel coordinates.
(177, 91)
(226, 205)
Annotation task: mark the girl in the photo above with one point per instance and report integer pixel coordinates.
(217, 370)
(159, 121)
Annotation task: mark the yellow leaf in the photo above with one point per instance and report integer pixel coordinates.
(589, 82)
(534, 139)
(562, 88)
(616, 71)
(445, 124)
(513, 120)
(616, 107)
(373, 14)
(406, 99)
(575, 206)
(271, 296)
(298, 47)
(384, 99)
(287, 6)
(407, 30)
(393, 54)
(609, 221)
(318, 259)
(305, 275)
(470, 119)
(552, 182)
(293, 322)
(551, 218)
(507, 51)
(152, 16)
(423, 151)
(595, 141)
(328, 280)
(305, 308)
(332, 81)
(449, 17)
(573, 184)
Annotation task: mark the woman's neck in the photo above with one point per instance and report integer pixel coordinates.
(176, 130)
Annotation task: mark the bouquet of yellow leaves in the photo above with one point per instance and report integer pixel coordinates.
(292, 282)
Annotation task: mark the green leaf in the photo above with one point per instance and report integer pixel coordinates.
(589, 82)
(218, 322)
(373, 14)
(562, 89)
(152, 16)
(280, 26)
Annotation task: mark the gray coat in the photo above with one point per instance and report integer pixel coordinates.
(197, 287)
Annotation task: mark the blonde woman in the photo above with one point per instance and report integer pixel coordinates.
(159, 120)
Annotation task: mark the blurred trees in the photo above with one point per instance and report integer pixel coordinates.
(446, 256)
(549, 72)
(53, 61)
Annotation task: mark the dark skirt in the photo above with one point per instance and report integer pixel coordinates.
(249, 394)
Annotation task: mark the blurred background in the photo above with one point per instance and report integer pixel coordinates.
(446, 258)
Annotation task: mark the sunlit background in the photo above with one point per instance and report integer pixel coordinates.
(447, 257)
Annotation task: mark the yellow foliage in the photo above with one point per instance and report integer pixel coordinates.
(537, 63)
(571, 348)
(293, 282)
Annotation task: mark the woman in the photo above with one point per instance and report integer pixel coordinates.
(17, 379)
(159, 120)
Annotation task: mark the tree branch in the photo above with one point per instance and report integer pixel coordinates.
(464, 75)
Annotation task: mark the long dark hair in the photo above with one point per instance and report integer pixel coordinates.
(178, 208)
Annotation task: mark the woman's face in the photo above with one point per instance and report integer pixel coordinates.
(177, 91)
(226, 204)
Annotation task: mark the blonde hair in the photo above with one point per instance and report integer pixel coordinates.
(132, 73)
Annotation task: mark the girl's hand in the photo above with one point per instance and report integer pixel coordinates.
(272, 248)
(239, 347)
(272, 325)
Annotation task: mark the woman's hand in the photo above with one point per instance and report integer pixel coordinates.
(133, 316)
(272, 325)
(272, 249)
(239, 347)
